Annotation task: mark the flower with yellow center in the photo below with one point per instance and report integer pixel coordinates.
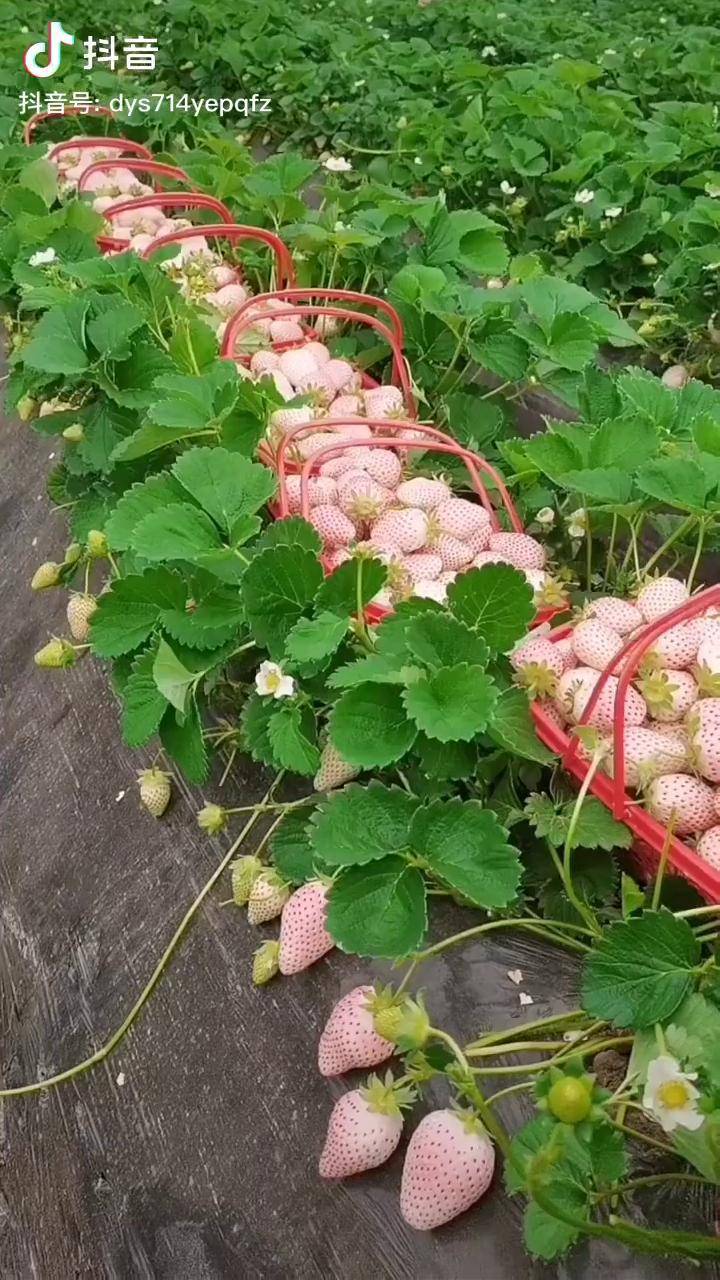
(670, 1096)
(271, 682)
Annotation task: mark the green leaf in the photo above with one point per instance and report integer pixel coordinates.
(143, 704)
(255, 720)
(572, 342)
(626, 443)
(360, 824)
(291, 848)
(177, 532)
(505, 354)
(512, 727)
(225, 484)
(453, 704)
(597, 829)
(679, 482)
(439, 640)
(41, 177)
(313, 639)
(339, 592)
(379, 909)
(602, 484)
(292, 736)
(524, 1147)
(292, 532)
(552, 454)
(701, 1146)
(445, 760)
(464, 845)
(171, 677)
(495, 600)
(206, 624)
(58, 341)
(369, 727)
(632, 897)
(119, 626)
(114, 322)
(640, 970)
(149, 438)
(374, 669)
(182, 738)
(278, 587)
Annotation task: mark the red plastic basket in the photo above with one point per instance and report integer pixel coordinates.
(434, 441)
(121, 145)
(163, 200)
(235, 234)
(157, 171)
(650, 836)
(41, 116)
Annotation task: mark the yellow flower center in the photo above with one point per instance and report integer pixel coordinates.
(273, 681)
(674, 1095)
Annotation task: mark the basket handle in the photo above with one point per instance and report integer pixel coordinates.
(113, 144)
(140, 165)
(173, 200)
(437, 441)
(630, 656)
(242, 320)
(386, 309)
(41, 116)
(233, 232)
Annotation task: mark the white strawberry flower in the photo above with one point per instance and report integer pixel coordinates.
(649, 260)
(615, 211)
(507, 188)
(584, 196)
(670, 1095)
(337, 164)
(42, 257)
(712, 190)
(488, 51)
(270, 681)
(545, 516)
(577, 523)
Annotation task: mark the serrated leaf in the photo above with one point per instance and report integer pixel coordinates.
(496, 601)
(172, 678)
(143, 704)
(178, 532)
(597, 829)
(255, 719)
(293, 737)
(292, 532)
(312, 639)
(150, 437)
(182, 738)
(369, 726)
(118, 626)
(512, 727)
(439, 640)
(137, 502)
(679, 482)
(453, 704)
(278, 587)
(226, 485)
(445, 760)
(640, 970)
(632, 897)
(291, 848)
(58, 341)
(465, 846)
(626, 443)
(208, 624)
(379, 909)
(360, 824)
(112, 325)
(373, 669)
(339, 592)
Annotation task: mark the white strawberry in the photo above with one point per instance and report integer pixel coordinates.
(423, 492)
(333, 559)
(341, 375)
(620, 615)
(362, 498)
(384, 466)
(595, 644)
(431, 589)
(406, 529)
(230, 297)
(490, 557)
(708, 847)
(660, 596)
(707, 667)
(322, 491)
(308, 446)
(521, 550)
(334, 527)
(223, 275)
(602, 715)
(422, 565)
(538, 665)
(336, 467)
(449, 1165)
(703, 724)
(453, 553)
(346, 406)
(284, 420)
(365, 1128)
(319, 352)
(676, 648)
(268, 896)
(355, 431)
(649, 754)
(669, 695)
(462, 519)
(565, 648)
(686, 802)
(286, 331)
(383, 402)
(282, 385)
(296, 363)
(317, 384)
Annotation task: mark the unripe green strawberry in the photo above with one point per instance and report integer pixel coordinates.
(154, 791)
(26, 408)
(405, 1024)
(333, 771)
(265, 963)
(97, 544)
(55, 654)
(213, 819)
(74, 433)
(268, 896)
(73, 552)
(244, 872)
(80, 610)
(46, 575)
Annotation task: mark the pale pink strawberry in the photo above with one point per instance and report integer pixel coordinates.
(338, 466)
(384, 466)
(334, 527)
(703, 724)
(709, 627)
(317, 384)
(649, 754)
(364, 1129)
(521, 550)
(448, 576)
(595, 644)
(676, 648)
(708, 847)
(685, 801)
(319, 351)
(449, 1165)
(264, 361)
(383, 402)
(349, 1039)
(341, 375)
(717, 803)
(461, 519)
(285, 388)
(307, 446)
(668, 694)
(479, 540)
(707, 666)
(453, 553)
(297, 363)
(362, 498)
(431, 589)
(286, 331)
(551, 713)
(603, 714)
(490, 557)
(660, 596)
(333, 771)
(229, 298)
(565, 648)
(333, 560)
(423, 492)
(322, 491)
(422, 565)
(140, 242)
(406, 529)
(303, 936)
(346, 406)
(538, 665)
(620, 615)
(284, 420)
(223, 275)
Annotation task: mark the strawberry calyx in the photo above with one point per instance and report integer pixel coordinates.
(539, 680)
(708, 682)
(657, 689)
(404, 1022)
(388, 1097)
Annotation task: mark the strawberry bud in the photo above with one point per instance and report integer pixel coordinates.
(74, 433)
(26, 407)
(213, 819)
(265, 963)
(47, 575)
(97, 544)
(244, 872)
(55, 654)
(73, 553)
